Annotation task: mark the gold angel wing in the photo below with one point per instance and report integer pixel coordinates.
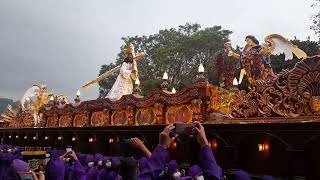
(9, 114)
(280, 45)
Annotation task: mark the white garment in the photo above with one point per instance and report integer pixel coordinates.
(123, 84)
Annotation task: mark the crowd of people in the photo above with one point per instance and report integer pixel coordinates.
(61, 165)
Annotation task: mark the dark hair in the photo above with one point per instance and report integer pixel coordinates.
(254, 39)
(127, 59)
(128, 168)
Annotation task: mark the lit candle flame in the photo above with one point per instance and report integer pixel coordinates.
(201, 68)
(137, 82)
(165, 76)
(78, 93)
(235, 82)
(173, 90)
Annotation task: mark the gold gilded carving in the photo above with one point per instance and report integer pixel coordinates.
(182, 113)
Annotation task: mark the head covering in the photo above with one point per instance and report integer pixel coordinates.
(194, 171)
(82, 158)
(89, 158)
(20, 166)
(241, 175)
(56, 169)
(115, 162)
(55, 153)
(173, 167)
(267, 177)
(98, 157)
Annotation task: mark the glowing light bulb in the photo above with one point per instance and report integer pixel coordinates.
(73, 139)
(91, 139)
(51, 98)
(78, 93)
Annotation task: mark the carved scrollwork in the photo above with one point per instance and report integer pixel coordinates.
(289, 95)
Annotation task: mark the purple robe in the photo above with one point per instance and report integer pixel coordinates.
(75, 171)
(92, 173)
(241, 175)
(55, 169)
(208, 164)
(155, 164)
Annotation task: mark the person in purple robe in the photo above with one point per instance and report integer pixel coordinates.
(173, 170)
(74, 169)
(206, 159)
(160, 155)
(115, 168)
(93, 171)
(106, 168)
(55, 168)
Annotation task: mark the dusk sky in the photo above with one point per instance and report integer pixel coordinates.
(64, 43)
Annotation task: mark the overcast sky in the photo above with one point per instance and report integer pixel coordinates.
(63, 43)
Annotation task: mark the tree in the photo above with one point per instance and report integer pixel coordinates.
(316, 19)
(178, 51)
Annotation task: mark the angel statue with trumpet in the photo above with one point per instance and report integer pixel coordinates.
(255, 58)
(128, 73)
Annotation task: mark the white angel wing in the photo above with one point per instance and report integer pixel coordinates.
(30, 93)
(280, 45)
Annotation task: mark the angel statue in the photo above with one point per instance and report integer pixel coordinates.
(127, 75)
(255, 58)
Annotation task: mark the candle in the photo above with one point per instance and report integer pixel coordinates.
(201, 68)
(137, 82)
(165, 76)
(235, 82)
(173, 90)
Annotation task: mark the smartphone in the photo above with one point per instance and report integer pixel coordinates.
(69, 149)
(183, 129)
(25, 176)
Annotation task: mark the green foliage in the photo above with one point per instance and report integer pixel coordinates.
(178, 51)
(316, 18)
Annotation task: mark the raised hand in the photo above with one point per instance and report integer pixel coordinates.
(201, 134)
(164, 138)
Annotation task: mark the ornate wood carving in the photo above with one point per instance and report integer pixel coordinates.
(100, 118)
(66, 120)
(81, 119)
(289, 95)
(181, 113)
(52, 121)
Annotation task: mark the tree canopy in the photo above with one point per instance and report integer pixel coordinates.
(178, 51)
(316, 18)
